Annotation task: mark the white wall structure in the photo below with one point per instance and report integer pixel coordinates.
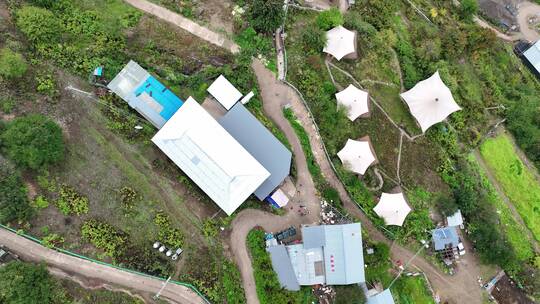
(393, 208)
(339, 42)
(224, 92)
(210, 156)
(354, 100)
(430, 101)
(357, 155)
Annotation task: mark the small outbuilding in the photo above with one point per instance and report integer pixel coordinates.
(393, 208)
(445, 238)
(354, 100)
(430, 101)
(340, 42)
(532, 58)
(455, 220)
(357, 155)
(384, 297)
(224, 92)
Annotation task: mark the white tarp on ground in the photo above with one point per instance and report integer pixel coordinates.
(339, 42)
(210, 156)
(224, 92)
(455, 219)
(393, 208)
(354, 100)
(357, 156)
(430, 101)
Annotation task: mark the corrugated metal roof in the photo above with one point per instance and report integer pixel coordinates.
(211, 157)
(384, 297)
(455, 220)
(445, 236)
(533, 55)
(308, 264)
(261, 144)
(343, 253)
(283, 267)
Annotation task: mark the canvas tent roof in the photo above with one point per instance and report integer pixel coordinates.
(357, 155)
(343, 253)
(354, 100)
(455, 219)
(430, 101)
(145, 94)
(393, 208)
(224, 92)
(260, 143)
(339, 42)
(445, 236)
(532, 55)
(384, 297)
(210, 156)
(283, 267)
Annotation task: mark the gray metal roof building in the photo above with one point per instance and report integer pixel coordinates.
(445, 237)
(330, 255)
(282, 266)
(261, 144)
(343, 253)
(384, 297)
(532, 55)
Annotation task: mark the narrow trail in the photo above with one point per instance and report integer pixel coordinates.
(30, 251)
(506, 200)
(454, 289)
(186, 24)
(460, 288)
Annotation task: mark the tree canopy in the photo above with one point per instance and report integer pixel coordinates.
(38, 24)
(12, 64)
(22, 283)
(266, 15)
(329, 19)
(33, 141)
(14, 203)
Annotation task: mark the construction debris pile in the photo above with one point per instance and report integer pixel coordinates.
(329, 214)
(325, 294)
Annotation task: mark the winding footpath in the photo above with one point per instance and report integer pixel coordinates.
(31, 251)
(460, 288)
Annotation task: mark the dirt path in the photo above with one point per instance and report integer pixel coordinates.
(34, 252)
(503, 36)
(186, 24)
(506, 200)
(458, 288)
(527, 9)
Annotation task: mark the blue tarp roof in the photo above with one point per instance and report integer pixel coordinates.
(170, 102)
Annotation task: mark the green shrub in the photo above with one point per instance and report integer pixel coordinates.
(71, 202)
(53, 240)
(7, 105)
(105, 237)
(40, 202)
(265, 15)
(313, 39)
(232, 284)
(14, 203)
(33, 141)
(468, 9)
(128, 197)
(329, 19)
(46, 85)
(12, 65)
(380, 13)
(168, 235)
(38, 24)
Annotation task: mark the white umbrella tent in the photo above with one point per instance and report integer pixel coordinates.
(430, 101)
(393, 208)
(339, 42)
(357, 155)
(354, 100)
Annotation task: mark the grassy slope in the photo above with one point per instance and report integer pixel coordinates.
(519, 184)
(411, 290)
(511, 227)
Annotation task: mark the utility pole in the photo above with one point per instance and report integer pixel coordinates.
(162, 287)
